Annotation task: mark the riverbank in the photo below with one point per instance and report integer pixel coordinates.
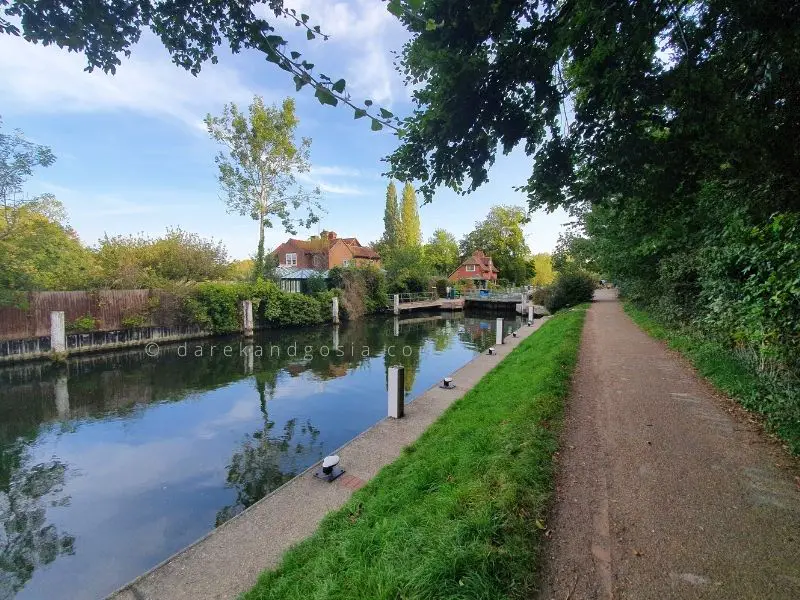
(228, 560)
(776, 398)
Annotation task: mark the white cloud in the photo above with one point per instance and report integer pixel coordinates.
(39, 79)
(335, 172)
(367, 32)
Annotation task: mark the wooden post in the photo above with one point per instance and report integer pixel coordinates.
(397, 304)
(247, 318)
(335, 309)
(58, 335)
(397, 391)
(499, 331)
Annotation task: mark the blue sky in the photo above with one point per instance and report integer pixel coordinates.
(133, 154)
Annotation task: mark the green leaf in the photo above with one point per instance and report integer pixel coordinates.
(294, 55)
(304, 18)
(275, 40)
(395, 8)
(310, 35)
(386, 114)
(324, 96)
(299, 82)
(431, 25)
(376, 125)
(338, 87)
(367, 102)
(359, 112)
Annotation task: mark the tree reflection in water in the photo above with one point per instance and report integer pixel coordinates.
(27, 541)
(266, 460)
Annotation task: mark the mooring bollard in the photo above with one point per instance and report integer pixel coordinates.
(247, 318)
(397, 387)
(397, 304)
(335, 309)
(58, 335)
(61, 390)
(498, 336)
(396, 327)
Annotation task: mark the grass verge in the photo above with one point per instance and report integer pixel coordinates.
(777, 400)
(459, 514)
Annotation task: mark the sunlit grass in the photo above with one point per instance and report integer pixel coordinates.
(459, 514)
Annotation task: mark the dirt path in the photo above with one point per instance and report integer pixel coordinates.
(662, 491)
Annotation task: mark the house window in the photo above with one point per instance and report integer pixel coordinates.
(291, 259)
(345, 263)
(470, 268)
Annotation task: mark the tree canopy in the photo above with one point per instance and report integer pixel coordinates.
(258, 169)
(410, 233)
(441, 252)
(500, 236)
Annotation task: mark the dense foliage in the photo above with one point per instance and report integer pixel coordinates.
(570, 289)
(362, 290)
(668, 129)
(441, 252)
(139, 261)
(217, 306)
(500, 236)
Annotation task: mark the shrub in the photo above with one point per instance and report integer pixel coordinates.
(570, 289)
(315, 284)
(363, 290)
(84, 323)
(441, 287)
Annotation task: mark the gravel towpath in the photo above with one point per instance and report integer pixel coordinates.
(665, 489)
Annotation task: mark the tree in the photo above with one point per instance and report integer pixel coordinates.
(500, 236)
(139, 261)
(410, 233)
(441, 252)
(543, 269)
(19, 158)
(257, 174)
(391, 220)
(40, 251)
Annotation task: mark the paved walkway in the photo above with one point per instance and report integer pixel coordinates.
(665, 490)
(228, 561)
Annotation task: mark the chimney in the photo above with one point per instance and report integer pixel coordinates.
(331, 236)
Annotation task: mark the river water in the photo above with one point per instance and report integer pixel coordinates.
(113, 462)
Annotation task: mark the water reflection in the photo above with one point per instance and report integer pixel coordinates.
(113, 462)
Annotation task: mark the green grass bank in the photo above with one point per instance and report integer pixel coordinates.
(776, 398)
(460, 513)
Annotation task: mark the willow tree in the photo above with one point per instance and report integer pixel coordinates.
(258, 168)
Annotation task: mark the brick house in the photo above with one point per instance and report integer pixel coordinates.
(325, 252)
(477, 268)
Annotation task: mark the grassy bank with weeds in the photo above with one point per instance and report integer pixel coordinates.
(459, 514)
(777, 398)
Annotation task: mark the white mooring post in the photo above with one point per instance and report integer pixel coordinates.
(498, 339)
(335, 309)
(530, 313)
(524, 300)
(397, 386)
(336, 336)
(397, 327)
(397, 304)
(247, 318)
(58, 336)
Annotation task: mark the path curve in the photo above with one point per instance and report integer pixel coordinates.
(662, 491)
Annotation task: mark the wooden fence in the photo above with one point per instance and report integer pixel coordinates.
(108, 308)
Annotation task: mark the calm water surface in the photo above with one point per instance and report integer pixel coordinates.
(113, 462)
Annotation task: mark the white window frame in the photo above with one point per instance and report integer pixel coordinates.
(470, 268)
(291, 259)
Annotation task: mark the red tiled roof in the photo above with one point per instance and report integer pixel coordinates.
(362, 252)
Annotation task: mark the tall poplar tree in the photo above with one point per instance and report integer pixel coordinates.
(410, 230)
(391, 219)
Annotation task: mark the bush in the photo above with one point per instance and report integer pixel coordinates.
(570, 289)
(315, 284)
(84, 323)
(363, 290)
